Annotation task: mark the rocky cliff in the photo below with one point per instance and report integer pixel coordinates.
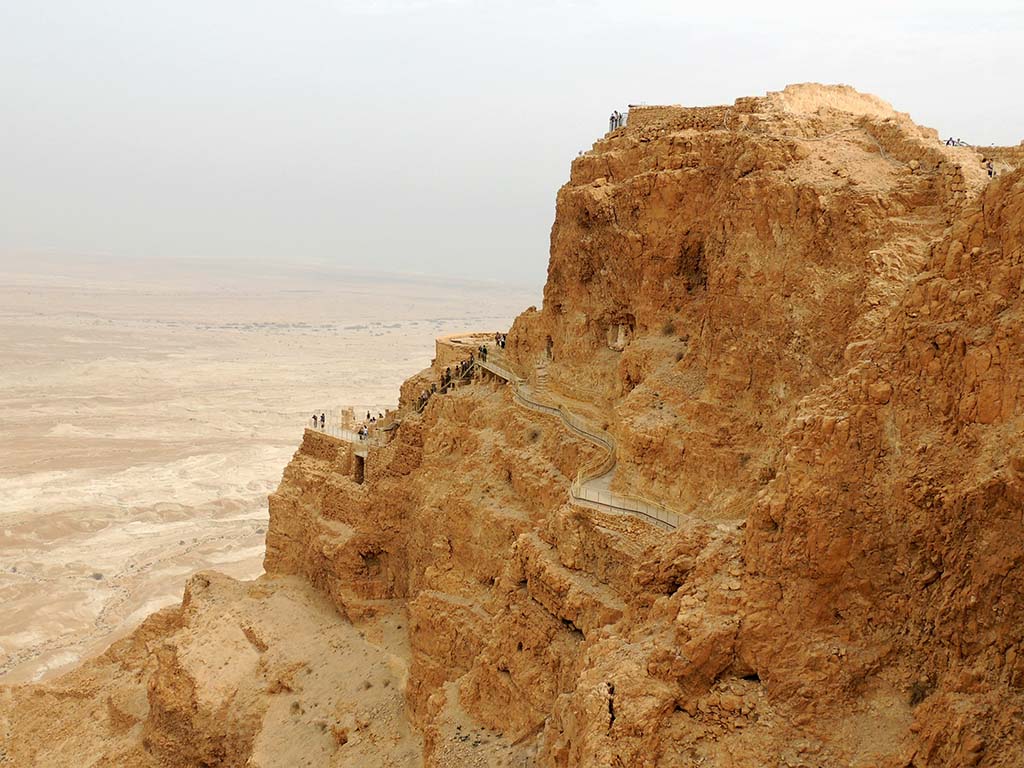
(798, 318)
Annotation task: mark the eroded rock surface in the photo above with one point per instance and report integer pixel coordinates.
(800, 319)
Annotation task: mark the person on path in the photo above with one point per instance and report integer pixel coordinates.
(314, 421)
(611, 122)
(323, 418)
(990, 169)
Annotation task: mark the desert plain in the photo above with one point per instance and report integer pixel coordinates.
(148, 408)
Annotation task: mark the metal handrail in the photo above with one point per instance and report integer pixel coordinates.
(578, 492)
(450, 385)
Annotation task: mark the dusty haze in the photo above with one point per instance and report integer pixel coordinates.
(414, 130)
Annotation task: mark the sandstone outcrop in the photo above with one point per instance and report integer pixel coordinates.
(800, 319)
(242, 674)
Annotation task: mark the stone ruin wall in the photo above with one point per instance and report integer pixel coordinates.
(678, 118)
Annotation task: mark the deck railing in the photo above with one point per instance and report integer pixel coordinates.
(333, 427)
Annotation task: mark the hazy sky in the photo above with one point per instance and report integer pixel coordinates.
(414, 135)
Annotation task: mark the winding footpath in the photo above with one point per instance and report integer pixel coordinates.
(592, 485)
(590, 488)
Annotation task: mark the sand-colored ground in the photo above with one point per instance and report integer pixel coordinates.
(146, 413)
(270, 658)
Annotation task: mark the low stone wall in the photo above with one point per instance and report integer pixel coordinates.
(678, 118)
(449, 351)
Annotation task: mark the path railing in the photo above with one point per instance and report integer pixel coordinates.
(333, 427)
(456, 381)
(582, 489)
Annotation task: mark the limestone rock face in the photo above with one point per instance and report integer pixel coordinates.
(257, 675)
(740, 255)
(799, 317)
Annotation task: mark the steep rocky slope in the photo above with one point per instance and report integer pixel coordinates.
(799, 318)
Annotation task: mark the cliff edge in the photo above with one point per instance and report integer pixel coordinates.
(746, 490)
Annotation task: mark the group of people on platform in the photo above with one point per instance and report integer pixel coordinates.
(320, 421)
(617, 120)
(989, 168)
(460, 372)
(364, 430)
(448, 379)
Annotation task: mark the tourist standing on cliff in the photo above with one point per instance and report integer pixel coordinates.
(323, 418)
(611, 122)
(314, 421)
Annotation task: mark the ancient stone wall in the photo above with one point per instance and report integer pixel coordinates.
(677, 118)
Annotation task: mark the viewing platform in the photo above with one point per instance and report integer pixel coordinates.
(462, 359)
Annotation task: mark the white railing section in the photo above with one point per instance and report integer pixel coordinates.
(583, 489)
(333, 427)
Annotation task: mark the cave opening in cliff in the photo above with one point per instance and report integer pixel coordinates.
(690, 266)
(372, 564)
